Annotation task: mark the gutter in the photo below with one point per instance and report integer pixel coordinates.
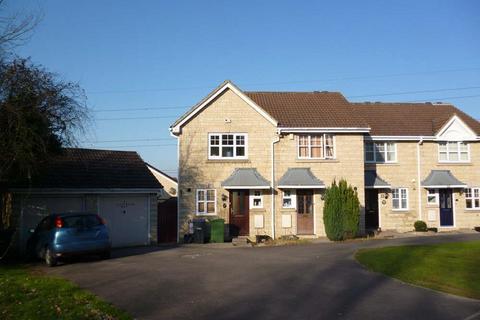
(277, 139)
(419, 187)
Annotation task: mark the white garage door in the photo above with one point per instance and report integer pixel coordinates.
(35, 208)
(127, 219)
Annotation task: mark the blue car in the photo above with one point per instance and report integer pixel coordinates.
(68, 234)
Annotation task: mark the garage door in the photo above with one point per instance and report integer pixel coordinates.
(36, 208)
(127, 219)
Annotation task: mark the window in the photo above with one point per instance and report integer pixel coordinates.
(453, 152)
(380, 152)
(288, 199)
(400, 199)
(256, 199)
(227, 146)
(206, 201)
(432, 196)
(472, 198)
(316, 146)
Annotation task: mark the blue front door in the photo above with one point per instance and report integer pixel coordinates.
(446, 208)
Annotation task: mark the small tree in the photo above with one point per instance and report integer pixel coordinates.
(341, 211)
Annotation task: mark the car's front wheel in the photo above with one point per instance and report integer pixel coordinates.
(50, 258)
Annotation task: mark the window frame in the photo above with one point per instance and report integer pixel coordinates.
(292, 197)
(472, 198)
(253, 197)
(323, 146)
(400, 208)
(436, 196)
(205, 201)
(448, 152)
(221, 146)
(385, 152)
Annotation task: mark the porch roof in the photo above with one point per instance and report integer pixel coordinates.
(373, 181)
(246, 178)
(442, 179)
(298, 178)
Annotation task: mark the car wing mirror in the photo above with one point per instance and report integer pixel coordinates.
(31, 231)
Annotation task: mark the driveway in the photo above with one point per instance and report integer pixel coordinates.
(315, 281)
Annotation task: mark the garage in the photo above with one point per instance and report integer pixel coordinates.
(116, 185)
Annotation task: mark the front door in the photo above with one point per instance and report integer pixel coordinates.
(371, 208)
(446, 207)
(239, 212)
(305, 212)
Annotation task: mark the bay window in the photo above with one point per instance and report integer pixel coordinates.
(320, 146)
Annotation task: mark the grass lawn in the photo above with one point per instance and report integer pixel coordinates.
(25, 295)
(450, 267)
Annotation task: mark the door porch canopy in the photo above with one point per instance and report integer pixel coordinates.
(373, 181)
(300, 178)
(442, 179)
(246, 178)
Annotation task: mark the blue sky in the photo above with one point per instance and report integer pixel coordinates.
(167, 55)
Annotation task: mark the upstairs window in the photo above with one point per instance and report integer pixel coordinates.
(227, 146)
(453, 151)
(380, 152)
(472, 198)
(319, 146)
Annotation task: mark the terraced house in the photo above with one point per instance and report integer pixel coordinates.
(262, 160)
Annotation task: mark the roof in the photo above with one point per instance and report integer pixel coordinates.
(299, 178)
(246, 178)
(162, 173)
(309, 109)
(442, 179)
(410, 119)
(373, 181)
(78, 168)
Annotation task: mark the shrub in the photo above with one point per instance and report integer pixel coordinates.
(341, 211)
(420, 225)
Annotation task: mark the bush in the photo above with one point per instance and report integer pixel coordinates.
(341, 212)
(420, 225)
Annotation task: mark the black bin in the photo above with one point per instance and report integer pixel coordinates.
(200, 231)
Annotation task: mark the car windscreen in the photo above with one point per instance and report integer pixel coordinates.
(92, 221)
(73, 222)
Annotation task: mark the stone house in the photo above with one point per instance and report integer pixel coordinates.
(262, 160)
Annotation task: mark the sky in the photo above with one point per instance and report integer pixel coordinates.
(164, 56)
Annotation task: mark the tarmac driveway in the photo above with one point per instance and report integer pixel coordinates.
(315, 281)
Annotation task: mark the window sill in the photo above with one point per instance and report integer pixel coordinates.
(473, 210)
(318, 160)
(257, 209)
(400, 210)
(432, 205)
(289, 209)
(227, 160)
(382, 163)
(454, 163)
(205, 214)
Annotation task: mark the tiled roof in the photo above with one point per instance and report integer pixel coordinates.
(309, 109)
(79, 168)
(410, 119)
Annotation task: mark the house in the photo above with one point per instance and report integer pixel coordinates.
(117, 185)
(170, 184)
(262, 160)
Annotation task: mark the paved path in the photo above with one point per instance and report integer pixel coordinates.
(316, 281)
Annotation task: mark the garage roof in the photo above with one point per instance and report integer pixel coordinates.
(78, 168)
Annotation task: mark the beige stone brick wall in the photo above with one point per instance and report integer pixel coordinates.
(404, 174)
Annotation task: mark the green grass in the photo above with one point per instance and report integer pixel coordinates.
(27, 295)
(451, 267)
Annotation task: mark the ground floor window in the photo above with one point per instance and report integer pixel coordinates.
(256, 199)
(400, 199)
(206, 201)
(472, 198)
(432, 196)
(288, 199)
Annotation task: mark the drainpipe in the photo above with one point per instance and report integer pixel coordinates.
(419, 187)
(272, 183)
(178, 183)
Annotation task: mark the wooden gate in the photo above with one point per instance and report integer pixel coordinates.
(167, 221)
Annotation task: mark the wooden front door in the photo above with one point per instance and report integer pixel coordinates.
(239, 212)
(446, 207)
(167, 221)
(305, 212)
(371, 208)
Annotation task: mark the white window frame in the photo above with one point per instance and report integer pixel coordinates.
(324, 147)
(205, 201)
(435, 194)
(292, 197)
(254, 197)
(385, 152)
(400, 208)
(472, 198)
(458, 152)
(234, 146)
